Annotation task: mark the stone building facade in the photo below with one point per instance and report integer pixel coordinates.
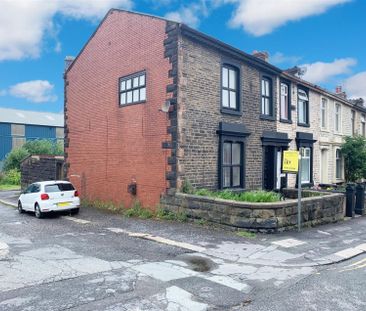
(204, 123)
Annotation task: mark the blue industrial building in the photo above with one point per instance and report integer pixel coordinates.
(18, 126)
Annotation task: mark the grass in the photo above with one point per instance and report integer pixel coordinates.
(136, 210)
(10, 180)
(7, 187)
(258, 196)
(246, 234)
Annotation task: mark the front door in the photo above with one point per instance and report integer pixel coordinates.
(272, 175)
(269, 168)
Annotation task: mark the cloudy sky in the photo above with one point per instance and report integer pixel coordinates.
(325, 36)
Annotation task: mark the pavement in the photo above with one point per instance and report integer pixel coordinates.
(102, 261)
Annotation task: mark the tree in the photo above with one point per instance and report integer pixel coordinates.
(39, 146)
(354, 153)
(14, 158)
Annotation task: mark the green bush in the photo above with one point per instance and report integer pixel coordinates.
(44, 146)
(40, 146)
(354, 153)
(248, 196)
(11, 177)
(14, 158)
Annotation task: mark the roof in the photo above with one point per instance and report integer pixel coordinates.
(31, 117)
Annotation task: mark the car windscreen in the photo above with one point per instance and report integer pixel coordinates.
(59, 187)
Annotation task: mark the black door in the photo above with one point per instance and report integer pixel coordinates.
(269, 168)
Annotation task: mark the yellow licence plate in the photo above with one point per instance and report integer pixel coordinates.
(63, 204)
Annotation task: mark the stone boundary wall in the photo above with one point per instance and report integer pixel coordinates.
(262, 217)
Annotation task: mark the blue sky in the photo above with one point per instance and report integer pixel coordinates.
(324, 36)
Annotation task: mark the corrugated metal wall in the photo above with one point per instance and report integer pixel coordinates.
(5, 140)
(39, 132)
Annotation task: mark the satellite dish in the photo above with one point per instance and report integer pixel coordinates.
(165, 107)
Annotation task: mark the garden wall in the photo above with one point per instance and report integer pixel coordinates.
(264, 217)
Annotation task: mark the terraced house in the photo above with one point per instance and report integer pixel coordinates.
(150, 104)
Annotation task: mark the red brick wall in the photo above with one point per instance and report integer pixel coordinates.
(109, 146)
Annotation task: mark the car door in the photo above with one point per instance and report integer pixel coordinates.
(33, 197)
(26, 198)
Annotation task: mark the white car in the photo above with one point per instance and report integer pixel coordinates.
(49, 196)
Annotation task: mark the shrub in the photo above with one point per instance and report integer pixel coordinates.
(11, 177)
(39, 146)
(14, 158)
(354, 152)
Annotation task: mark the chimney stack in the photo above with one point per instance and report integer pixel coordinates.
(68, 61)
(263, 55)
(340, 93)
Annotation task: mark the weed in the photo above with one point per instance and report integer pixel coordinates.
(201, 222)
(187, 187)
(246, 234)
(168, 215)
(138, 211)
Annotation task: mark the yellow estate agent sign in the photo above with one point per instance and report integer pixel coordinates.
(290, 161)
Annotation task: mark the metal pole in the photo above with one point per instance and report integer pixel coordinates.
(299, 193)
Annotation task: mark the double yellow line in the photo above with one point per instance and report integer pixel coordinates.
(355, 266)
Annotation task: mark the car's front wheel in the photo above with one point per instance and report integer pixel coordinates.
(20, 208)
(37, 211)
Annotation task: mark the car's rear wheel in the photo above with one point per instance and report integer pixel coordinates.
(37, 211)
(20, 208)
(74, 211)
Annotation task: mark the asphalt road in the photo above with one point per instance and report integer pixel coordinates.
(339, 287)
(90, 263)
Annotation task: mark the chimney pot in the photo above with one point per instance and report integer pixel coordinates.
(263, 55)
(68, 61)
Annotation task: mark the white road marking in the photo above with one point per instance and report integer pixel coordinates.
(179, 299)
(4, 249)
(158, 239)
(164, 271)
(349, 252)
(229, 282)
(287, 243)
(324, 232)
(77, 220)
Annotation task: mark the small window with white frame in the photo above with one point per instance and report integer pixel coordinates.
(324, 114)
(363, 125)
(132, 89)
